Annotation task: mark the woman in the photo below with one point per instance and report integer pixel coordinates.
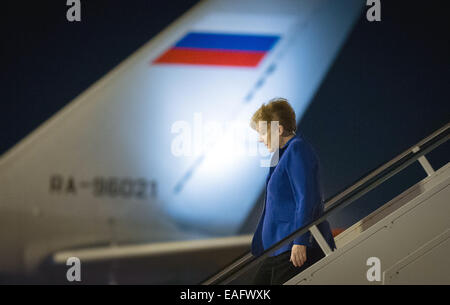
(293, 196)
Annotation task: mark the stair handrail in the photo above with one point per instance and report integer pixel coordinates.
(337, 202)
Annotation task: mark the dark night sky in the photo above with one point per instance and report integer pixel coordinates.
(48, 61)
(387, 89)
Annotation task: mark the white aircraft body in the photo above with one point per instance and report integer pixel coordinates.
(104, 179)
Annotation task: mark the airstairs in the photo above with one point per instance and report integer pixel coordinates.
(405, 241)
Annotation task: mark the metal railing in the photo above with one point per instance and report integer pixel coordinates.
(338, 202)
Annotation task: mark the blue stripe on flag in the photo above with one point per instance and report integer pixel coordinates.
(239, 42)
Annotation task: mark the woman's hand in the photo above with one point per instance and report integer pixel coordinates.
(298, 255)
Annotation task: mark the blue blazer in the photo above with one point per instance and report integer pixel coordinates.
(293, 198)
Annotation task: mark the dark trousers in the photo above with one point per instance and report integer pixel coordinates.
(276, 270)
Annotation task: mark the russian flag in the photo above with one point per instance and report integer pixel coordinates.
(222, 49)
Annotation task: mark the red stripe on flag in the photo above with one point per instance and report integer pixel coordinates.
(210, 57)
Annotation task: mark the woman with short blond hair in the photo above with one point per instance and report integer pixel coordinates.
(293, 196)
